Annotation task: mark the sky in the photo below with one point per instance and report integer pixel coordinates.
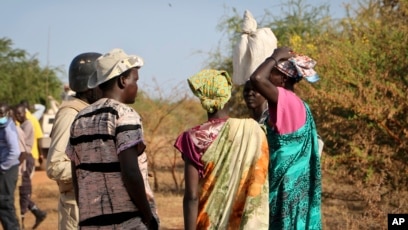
(173, 37)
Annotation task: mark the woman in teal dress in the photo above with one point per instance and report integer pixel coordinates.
(294, 166)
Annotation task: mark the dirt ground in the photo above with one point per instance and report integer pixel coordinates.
(344, 206)
(45, 195)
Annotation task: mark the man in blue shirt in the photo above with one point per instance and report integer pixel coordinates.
(9, 161)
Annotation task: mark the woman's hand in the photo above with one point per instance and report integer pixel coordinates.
(282, 53)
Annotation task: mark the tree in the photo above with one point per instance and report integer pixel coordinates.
(21, 76)
(360, 103)
(163, 120)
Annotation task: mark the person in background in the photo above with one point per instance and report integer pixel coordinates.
(9, 163)
(37, 110)
(106, 141)
(58, 164)
(21, 141)
(226, 163)
(24, 151)
(256, 103)
(68, 92)
(38, 133)
(294, 168)
(26, 186)
(259, 109)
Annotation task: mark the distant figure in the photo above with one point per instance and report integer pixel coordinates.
(106, 142)
(26, 186)
(9, 154)
(256, 103)
(58, 164)
(67, 92)
(37, 110)
(38, 133)
(24, 148)
(294, 167)
(226, 163)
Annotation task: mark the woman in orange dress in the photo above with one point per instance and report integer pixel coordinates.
(226, 163)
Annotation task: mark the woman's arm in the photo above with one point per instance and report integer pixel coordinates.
(260, 78)
(190, 200)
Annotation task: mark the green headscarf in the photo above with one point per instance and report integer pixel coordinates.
(212, 87)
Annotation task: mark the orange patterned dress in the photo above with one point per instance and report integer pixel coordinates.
(234, 177)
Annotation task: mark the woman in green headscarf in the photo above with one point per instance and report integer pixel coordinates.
(226, 163)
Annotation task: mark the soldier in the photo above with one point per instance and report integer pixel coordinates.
(58, 164)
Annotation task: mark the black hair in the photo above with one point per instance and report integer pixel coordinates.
(4, 104)
(25, 103)
(292, 80)
(108, 85)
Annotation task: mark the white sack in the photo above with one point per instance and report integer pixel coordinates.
(253, 48)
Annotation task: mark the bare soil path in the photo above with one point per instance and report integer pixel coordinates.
(45, 195)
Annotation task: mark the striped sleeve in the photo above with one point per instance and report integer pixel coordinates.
(129, 130)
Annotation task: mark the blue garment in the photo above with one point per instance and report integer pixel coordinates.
(8, 181)
(9, 153)
(9, 148)
(39, 111)
(295, 178)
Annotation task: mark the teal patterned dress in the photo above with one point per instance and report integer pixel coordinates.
(295, 178)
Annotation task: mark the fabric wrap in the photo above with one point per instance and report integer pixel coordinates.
(234, 190)
(212, 87)
(254, 46)
(295, 178)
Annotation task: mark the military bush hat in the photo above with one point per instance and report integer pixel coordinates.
(111, 65)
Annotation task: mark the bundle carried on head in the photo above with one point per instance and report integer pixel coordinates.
(299, 67)
(253, 48)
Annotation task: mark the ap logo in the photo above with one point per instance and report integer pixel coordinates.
(397, 221)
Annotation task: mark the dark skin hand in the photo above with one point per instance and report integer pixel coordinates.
(266, 78)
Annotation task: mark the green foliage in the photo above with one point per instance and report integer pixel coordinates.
(360, 103)
(361, 100)
(23, 78)
(299, 19)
